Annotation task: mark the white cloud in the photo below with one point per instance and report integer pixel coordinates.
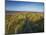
(29, 0)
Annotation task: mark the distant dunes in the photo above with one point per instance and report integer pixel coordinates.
(22, 12)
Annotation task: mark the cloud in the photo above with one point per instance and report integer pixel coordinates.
(28, 0)
(19, 0)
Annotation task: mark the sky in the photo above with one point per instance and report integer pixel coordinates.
(24, 6)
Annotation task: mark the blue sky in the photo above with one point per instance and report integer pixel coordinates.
(24, 6)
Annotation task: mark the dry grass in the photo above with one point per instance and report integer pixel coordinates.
(16, 20)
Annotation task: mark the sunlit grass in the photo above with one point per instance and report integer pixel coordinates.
(17, 20)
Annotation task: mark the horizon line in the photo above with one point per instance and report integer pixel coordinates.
(26, 11)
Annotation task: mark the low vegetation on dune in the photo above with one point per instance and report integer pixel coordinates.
(17, 22)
